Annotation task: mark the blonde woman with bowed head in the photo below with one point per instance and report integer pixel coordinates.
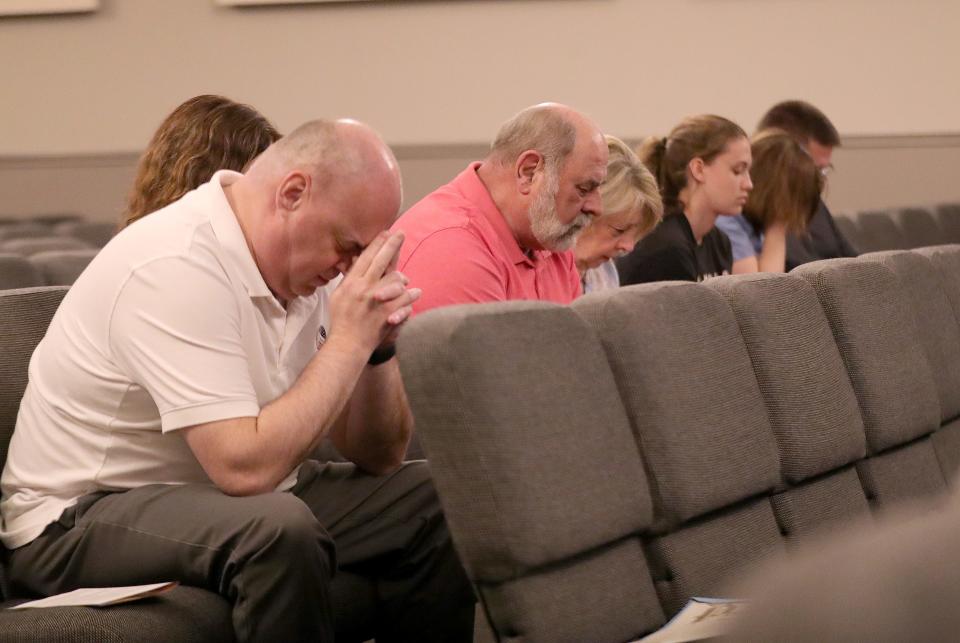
(785, 195)
(703, 169)
(631, 209)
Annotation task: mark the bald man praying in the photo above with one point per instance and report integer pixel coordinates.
(192, 369)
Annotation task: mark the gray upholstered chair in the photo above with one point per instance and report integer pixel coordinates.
(602, 463)
(948, 218)
(849, 228)
(537, 469)
(919, 227)
(62, 267)
(878, 232)
(95, 233)
(23, 230)
(56, 218)
(18, 272)
(33, 245)
(184, 615)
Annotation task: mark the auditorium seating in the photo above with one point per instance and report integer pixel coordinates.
(95, 233)
(184, 614)
(32, 245)
(23, 230)
(903, 228)
(599, 464)
(62, 267)
(18, 272)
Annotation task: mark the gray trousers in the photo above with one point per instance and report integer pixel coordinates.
(345, 554)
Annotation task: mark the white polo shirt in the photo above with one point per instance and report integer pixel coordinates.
(171, 325)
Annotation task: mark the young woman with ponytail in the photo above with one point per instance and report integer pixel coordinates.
(703, 170)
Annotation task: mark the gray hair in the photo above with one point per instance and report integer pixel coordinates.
(543, 128)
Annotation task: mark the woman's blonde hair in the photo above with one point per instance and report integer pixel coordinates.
(630, 187)
(705, 136)
(204, 134)
(786, 182)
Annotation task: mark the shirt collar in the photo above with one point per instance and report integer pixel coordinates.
(236, 252)
(476, 192)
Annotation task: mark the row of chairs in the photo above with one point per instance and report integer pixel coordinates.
(901, 229)
(94, 233)
(48, 268)
(684, 432)
(48, 249)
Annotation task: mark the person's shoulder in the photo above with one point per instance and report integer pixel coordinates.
(442, 209)
(717, 237)
(669, 234)
(446, 249)
(666, 257)
(736, 224)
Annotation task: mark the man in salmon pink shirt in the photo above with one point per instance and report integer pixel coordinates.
(503, 228)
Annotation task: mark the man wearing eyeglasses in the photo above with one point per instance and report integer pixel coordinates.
(814, 131)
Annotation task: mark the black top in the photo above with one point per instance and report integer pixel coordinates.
(671, 252)
(822, 241)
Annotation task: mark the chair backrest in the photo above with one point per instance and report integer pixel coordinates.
(538, 472)
(874, 326)
(734, 419)
(948, 218)
(919, 227)
(18, 272)
(24, 316)
(95, 233)
(686, 379)
(23, 230)
(33, 245)
(878, 232)
(62, 267)
(809, 399)
(849, 228)
(56, 218)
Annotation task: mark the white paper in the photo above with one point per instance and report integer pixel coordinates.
(700, 618)
(99, 596)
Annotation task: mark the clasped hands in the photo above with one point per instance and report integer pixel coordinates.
(372, 302)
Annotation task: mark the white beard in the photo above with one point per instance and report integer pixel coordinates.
(546, 227)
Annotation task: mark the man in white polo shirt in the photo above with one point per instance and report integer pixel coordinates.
(190, 372)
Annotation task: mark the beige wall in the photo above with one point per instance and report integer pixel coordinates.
(82, 94)
(872, 172)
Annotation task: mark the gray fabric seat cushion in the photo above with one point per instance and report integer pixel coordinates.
(18, 272)
(62, 267)
(935, 321)
(808, 395)
(918, 227)
(183, 615)
(904, 473)
(603, 596)
(31, 246)
(878, 232)
(874, 328)
(827, 502)
(528, 440)
(686, 379)
(702, 558)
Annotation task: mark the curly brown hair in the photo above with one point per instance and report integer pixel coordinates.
(204, 134)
